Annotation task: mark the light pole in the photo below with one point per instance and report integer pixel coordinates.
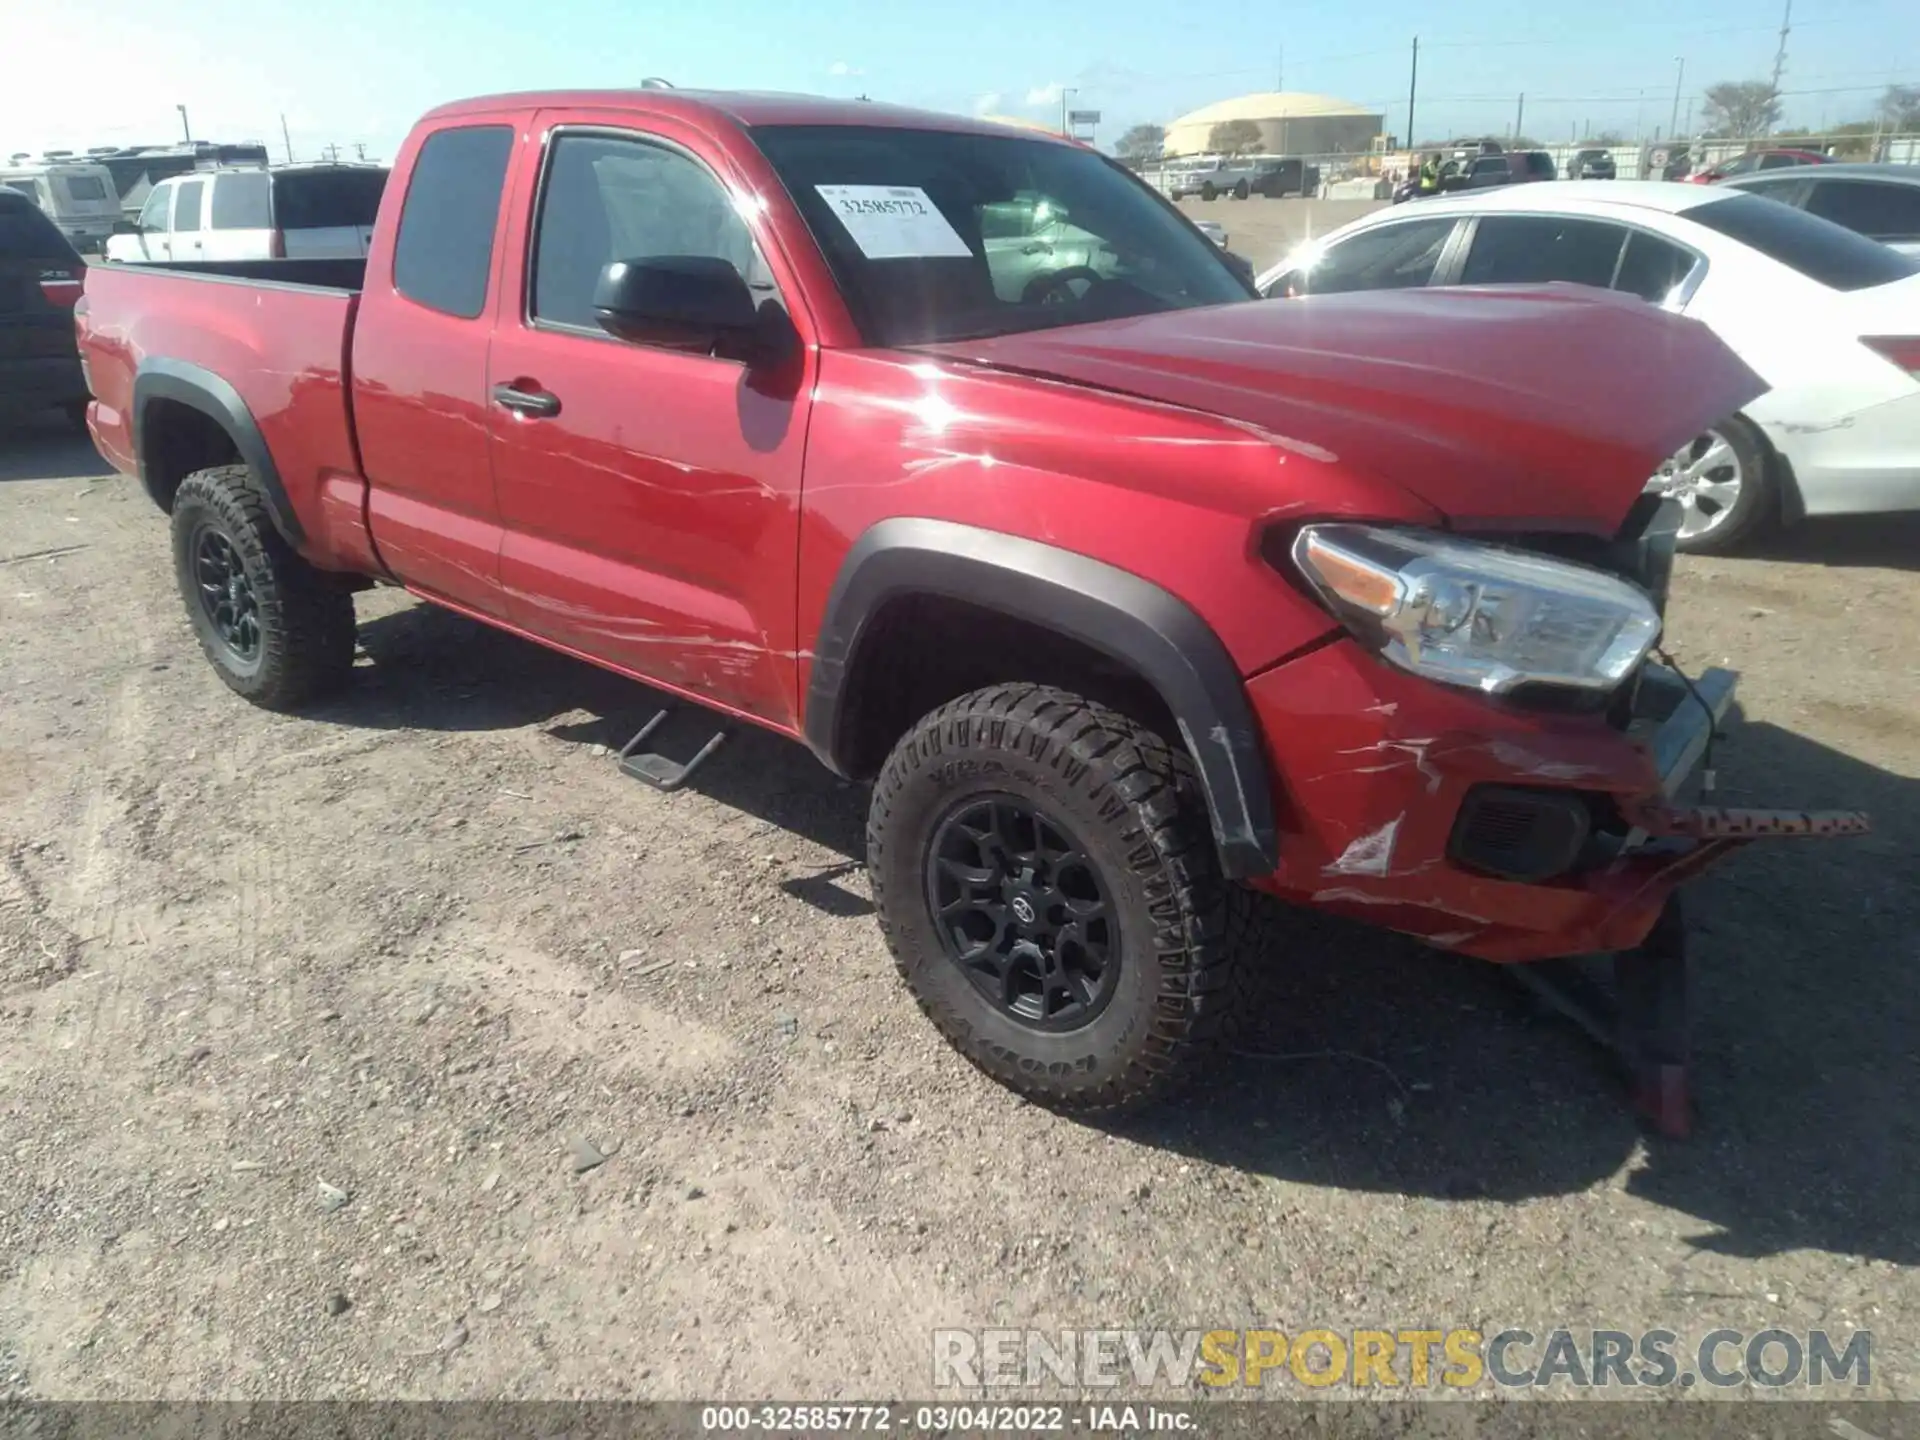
(1673, 125)
(1064, 93)
(185, 129)
(1413, 84)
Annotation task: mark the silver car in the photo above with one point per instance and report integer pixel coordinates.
(1881, 202)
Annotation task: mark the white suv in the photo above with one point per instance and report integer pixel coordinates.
(292, 211)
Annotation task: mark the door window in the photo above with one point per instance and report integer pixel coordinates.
(186, 210)
(443, 255)
(153, 215)
(1535, 249)
(1393, 257)
(1871, 207)
(608, 199)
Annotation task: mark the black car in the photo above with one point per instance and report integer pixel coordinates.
(1515, 167)
(1275, 178)
(1592, 165)
(40, 278)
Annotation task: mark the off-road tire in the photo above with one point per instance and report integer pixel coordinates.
(1207, 191)
(75, 412)
(1130, 799)
(306, 619)
(1242, 190)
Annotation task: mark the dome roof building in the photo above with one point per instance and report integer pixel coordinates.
(1291, 122)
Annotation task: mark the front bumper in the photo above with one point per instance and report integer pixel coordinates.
(1375, 766)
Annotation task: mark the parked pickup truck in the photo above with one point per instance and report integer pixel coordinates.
(1126, 591)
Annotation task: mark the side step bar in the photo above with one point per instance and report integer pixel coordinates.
(658, 770)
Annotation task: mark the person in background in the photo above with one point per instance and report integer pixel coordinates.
(1430, 174)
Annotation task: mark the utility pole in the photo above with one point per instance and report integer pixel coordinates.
(1519, 110)
(1280, 71)
(1413, 84)
(1064, 93)
(1673, 123)
(360, 149)
(287, 136)
(1780, 60)
(185, 129)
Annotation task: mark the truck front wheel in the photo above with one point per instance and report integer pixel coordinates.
(279, 632)
(1047, 883)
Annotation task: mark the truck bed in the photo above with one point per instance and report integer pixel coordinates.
(206, 357)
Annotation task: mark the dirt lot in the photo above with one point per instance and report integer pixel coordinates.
(304, 1016)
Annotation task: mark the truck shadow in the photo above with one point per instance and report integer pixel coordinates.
(427, 668)
(1380, 1065)
(46, 448)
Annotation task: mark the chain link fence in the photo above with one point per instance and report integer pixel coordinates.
(1374, 174)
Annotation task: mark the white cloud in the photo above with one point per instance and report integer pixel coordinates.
(841, 67)
(988, 103)
(1048, 94)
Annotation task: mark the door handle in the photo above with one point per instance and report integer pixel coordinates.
(535, 404)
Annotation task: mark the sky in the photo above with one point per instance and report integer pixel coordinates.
(356, 73)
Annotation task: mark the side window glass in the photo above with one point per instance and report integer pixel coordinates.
(608, 199)
(186, 209)
(1885, 212)
(153, 215)
(1394, 257)
(240, 202)
(443, 256)
(1534, 249)
(1652, 267)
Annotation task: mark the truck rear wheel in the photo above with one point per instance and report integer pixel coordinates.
(1047, 882)
(279, 632)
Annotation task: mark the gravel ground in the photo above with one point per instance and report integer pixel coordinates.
(407, 1050)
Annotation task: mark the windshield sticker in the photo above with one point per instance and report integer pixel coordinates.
(893, 222)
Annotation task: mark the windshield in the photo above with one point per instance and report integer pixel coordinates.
(940, 235)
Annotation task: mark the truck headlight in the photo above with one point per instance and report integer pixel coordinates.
(1476, 615)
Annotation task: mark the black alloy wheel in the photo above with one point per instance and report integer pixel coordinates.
(1023, 912)
(226, 596)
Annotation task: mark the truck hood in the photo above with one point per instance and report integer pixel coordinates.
(1538, 407)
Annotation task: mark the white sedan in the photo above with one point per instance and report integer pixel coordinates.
(1829, 319)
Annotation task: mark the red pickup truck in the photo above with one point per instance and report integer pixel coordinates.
(958, 455)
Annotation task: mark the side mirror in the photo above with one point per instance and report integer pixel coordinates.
(683, 302)
(1239, 264)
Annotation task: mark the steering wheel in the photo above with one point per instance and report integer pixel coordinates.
(1051, 288)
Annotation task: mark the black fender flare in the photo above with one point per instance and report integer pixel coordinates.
(1129, 619)
(198, 388)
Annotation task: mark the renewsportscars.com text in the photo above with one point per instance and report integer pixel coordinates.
(1400, 1358)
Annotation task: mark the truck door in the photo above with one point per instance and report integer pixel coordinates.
(420, 366)
(649, 496)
